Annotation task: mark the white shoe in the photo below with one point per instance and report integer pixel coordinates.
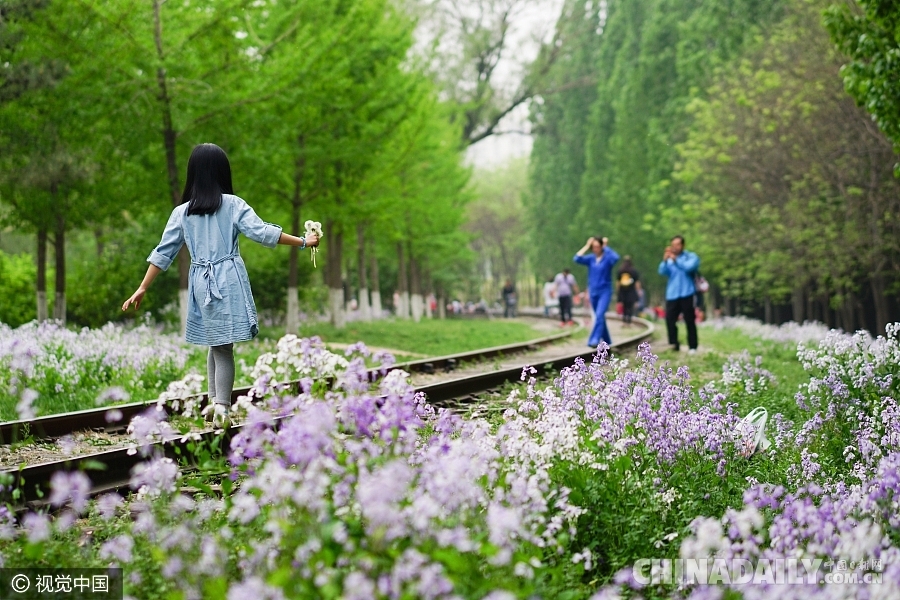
(221, 418)
(692, 351)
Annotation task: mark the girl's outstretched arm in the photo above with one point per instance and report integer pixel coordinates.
(152, 272)
(311, 240)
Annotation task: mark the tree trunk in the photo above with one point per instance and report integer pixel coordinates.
(402, 284)
(59, 246)
(345, 283)
(441, 300)
(428, 312)
(882, 314)
(292, 318)
(798, 304)
(365, 312)
(827, 312)
(98, 241)
(417, 303)
(169, 138)
(334, 241)
(376, 286)
(41, 287)
(768, 310)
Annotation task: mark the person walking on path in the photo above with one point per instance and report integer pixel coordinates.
(566, 288)
(629, 284)
(600, 264)
(509, 299)
(221, 310)
(680, 266)
(550, 299)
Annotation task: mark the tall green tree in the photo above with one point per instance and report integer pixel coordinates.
(650, 57)
(19, 74)
(558, 121)
(349, 100)
(787, 184)
(868, 32)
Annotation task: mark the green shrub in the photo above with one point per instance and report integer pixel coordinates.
(98, 284)
(18, 275)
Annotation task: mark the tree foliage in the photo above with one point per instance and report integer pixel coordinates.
(317, 102)
(868, 33)
(603, 156)
(727, 122)
(788, 184)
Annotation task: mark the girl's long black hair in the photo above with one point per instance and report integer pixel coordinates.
(208, 177)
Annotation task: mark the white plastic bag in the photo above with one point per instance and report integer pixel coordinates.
(752, 430)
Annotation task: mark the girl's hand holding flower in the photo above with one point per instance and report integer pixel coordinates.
(313, 233)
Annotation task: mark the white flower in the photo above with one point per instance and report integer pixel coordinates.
(313, 228)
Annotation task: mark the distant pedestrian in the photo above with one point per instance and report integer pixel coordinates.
(629, 284)
(566, 288)
(550, 299)
(221, 310)
(600, 264)
(701, 286)
(509, 299)
(680, 266)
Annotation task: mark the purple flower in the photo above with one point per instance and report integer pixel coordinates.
(66, 486)
(119, 548)
(256, 589)
(25, 407)
(37, 527)
(107, 504)
(307, 435)
(113, 394)
(155, 477)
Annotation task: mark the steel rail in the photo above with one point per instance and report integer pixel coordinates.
(111, 470)
(61, 424)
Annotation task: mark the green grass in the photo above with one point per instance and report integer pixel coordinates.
(432, 337)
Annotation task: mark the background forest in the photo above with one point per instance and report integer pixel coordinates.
(727, 122)
(760, 129)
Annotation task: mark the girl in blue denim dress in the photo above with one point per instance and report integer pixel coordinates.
(221, 310)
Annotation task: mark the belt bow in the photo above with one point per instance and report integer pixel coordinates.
(212, 286)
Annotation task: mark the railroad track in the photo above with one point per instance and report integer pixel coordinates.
(59, 425)
(111, 469)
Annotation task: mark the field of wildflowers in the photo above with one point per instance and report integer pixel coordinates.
(46, 368)
(367, 492)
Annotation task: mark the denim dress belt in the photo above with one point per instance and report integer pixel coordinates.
(212, 286)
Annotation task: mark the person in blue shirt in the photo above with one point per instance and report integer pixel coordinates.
(680, 266)
(221, 310)
(600, 264)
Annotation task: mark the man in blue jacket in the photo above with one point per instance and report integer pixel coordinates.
(680, 266)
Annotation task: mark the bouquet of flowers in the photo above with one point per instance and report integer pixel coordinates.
(313, 227)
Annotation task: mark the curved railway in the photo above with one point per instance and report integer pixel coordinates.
(111, 469)
(62, 424)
